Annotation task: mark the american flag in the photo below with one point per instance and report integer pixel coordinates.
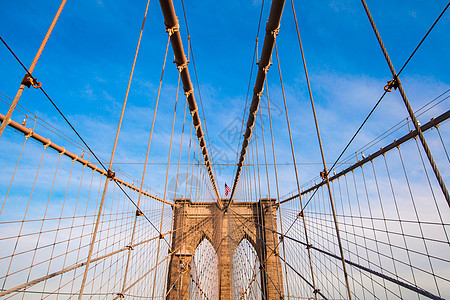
(227, 190)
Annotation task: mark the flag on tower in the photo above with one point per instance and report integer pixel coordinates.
(227, 190)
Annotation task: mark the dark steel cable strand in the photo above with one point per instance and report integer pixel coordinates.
(423, 39)
(79, 136)
(274, 160)
(262, 265)
(294, 160)
(434, 122)
(408, 106)
(31, 69)
(274, 248)
(396, 281)
(344, 268)
(382, 96)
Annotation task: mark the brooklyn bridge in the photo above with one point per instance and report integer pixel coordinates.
(238, 150)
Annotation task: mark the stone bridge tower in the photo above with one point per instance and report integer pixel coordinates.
(225, 229)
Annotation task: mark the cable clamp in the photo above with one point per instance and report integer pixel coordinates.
(259, 94)
(62, 152)
(188, 93)
(266, 68)
(275, 32)
(75, 158)
(129, 247)
(110, 174)
(309, 246)
(48, 144)
(29, 134)
(29, 81)
(437, 125)
(316, 291)
(300, 214)
(139, 213)
(120, 295)
(172, 29)
(324, 174)
(281, 238)
(182, 66)
(161, 236)
(391, 84)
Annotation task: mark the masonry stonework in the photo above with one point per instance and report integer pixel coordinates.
(225, 229)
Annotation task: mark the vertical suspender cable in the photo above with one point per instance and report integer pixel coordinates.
(276, 184)
(167, 178)
(296, 173)
(145, 165)
(83, 282)
(325, 171)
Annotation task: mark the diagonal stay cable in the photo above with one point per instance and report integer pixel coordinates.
(380, 99)
(423, 39)
(270, 248)
(82, 140)
(385, 92)
(404, 284)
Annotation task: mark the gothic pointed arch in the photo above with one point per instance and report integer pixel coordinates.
(204, 271)
(246, 274)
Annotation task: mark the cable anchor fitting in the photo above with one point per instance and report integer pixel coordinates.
(275, 32)
(29, 81)
(266, 68)
(188, 93)
(391, 84)
(259, 94)
(172, 29)
(30, 134)
(110, 175)
(181, 67)
(47, 144)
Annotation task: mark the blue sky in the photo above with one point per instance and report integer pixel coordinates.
(87, 61)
